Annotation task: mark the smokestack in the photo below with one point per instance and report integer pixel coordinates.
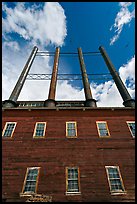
(11, 102)
(52, 91)
(128, 101)
(89, 100)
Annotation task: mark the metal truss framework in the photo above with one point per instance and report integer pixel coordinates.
(106, 76)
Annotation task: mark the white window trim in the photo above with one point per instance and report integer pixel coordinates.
(45, 126)
(119, 191)
(129, 127)
(101, 136)
(6, 127)
(75, 136)
(24, 183)
(68, 192)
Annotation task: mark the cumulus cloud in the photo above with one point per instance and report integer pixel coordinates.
(25, 22)
(37, 24)
(65, 91)
(13, 63)
(42, 26)
(127, 71)
(127, 74)
(107, 93)
(124, 16)
(12, 45)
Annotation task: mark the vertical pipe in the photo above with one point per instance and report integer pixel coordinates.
(128, 101)
(87, 90)
(50, 102)
(17, 89)
(52, 90)
(11, 102)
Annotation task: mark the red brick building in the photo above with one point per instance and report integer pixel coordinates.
(54, 152)
(67, 151)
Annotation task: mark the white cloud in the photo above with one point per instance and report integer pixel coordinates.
(12, 45)
(19, 19)
(127, 71)
(37, 25)
(124, 16)
(65, 91)
(107, 93)
(41, 26)
(127, 74)
(13, 63)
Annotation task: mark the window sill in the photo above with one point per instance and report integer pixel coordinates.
(5, 138)
(38, 137)
(26, 194)
(104, 136)
(118, 193)
(69, 137)
(73, 193)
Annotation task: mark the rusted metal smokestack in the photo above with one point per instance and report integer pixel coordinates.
(89, 100)
(52, 91)
(11, 102)
(128, 101)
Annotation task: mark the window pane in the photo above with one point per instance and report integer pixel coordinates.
(73, 186)
(102, 125)
(39, 132)
(113, 170)
(116, 184)
(72, 173)
(71, 133)
(33, 171)
(103, 132)
(40, 125)
(71, 125)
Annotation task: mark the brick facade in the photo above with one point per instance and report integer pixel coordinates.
(55, 152)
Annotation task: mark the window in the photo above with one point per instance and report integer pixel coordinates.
(115, 179)
(31, 180)
(9, 129)
(71, 129)
(39, 131)
(103, 129)
(131, 125)
(72, 180)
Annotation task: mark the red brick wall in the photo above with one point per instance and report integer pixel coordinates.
(55, 152)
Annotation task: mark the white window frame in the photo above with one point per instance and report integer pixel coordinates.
(130, 128)
(45, 126)
(24, 184)
(4, 129)
(115, 192)
(75, 136)
(103, 136)
(71, 192)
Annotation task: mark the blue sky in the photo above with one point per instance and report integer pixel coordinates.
(69, 25)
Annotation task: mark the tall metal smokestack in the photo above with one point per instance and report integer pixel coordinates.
(11, 102)
(89, 100)
(128, 101)
(52, 91)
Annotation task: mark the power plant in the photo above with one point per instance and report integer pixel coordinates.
(68, 151)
